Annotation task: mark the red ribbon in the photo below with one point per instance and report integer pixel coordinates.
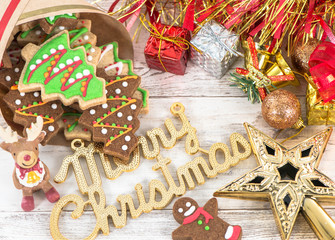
(196, 214)
(322, 68)
(23, 171)
(7, 16)
(189, 17)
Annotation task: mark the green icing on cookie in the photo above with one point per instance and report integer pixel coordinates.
(26, 33)
(78, 33)
(63, 70)
(51, 20)
(116, 58)
(144, 96)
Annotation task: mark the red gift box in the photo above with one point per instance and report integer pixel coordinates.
(166, 49)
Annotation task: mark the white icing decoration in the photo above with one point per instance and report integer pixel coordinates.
(52, 50)
(8, 78)
(89, 58)
(52, 18)
(86, 37)
(54, 106)
(188, 204)
(124, 147)
(79, 75)
(32, 67)
(105, 105)
(51, 128)
(17, 101)
(72, 80)
(130, 118)
(56, 70)
(17, 70)
(92, 111)
(92, 49)
(22, 94)
(119, 114)
(62, 65)
(118, 64)
(61, 27)
(107, 49)
(104, 131)
(127, 138)
(133, 106)
(180, 210)
(38, 32)
(76, 58)
(118, 91)
(69, 61)
(86, 72)
(125, 84)
(60, 47)
(106, 91)
(45, 56)
(36, 94)
(38, 61)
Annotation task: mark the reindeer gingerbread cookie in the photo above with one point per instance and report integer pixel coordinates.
(30, 174)
(199, 223)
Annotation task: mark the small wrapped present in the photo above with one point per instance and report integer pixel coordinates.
(167, 48)
(264, 72)
(319, 112)
(214, 48)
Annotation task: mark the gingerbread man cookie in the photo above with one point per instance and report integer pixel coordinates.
(199, 223)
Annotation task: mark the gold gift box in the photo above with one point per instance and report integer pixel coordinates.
(319, 112)
(271, 65)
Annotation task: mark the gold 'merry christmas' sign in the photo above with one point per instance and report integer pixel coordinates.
(211, 168)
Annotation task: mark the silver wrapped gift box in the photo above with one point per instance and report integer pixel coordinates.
(218, 48)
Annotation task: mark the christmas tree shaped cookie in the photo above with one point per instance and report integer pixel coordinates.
(115, 122)
(61, 73)
(28, 106)
(49, 23)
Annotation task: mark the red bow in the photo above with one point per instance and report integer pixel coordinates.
(23, 171)
(196, 214)
(322, 68)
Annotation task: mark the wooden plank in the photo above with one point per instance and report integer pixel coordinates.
(157, 225)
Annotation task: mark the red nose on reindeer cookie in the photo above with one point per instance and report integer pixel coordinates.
(198, 223)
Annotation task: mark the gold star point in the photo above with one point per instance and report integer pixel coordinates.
(284, 176)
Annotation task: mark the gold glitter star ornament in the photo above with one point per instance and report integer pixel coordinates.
(285, 177)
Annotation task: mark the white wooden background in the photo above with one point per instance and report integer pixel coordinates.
(216, 110)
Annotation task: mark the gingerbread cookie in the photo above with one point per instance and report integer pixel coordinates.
(112, 64)
(72, 128)
(115, 122)
(35, 35)
(69, 24)
(61, 73)
(28, 106)
(143, 95)
(10, 77)
(14, 52)
(49, 23)
(5, 62)
(199, 223)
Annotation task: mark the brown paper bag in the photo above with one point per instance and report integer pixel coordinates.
(13, 13)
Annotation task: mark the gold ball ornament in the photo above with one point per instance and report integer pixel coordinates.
(301, 54)
(281, 109)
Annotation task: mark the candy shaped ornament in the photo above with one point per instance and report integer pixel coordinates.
(30, 174)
